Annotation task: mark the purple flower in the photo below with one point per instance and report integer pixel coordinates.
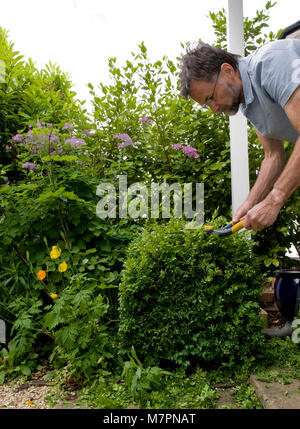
(56, 152)
(35, 148)
(75, 142)
(121, 145)
(17, 138)
(190, 151)
(67, 126)
(125, 139)
(145, 121)
(40, 124)
(8, 147)
(29, 165)
(176, 146)
(53, 137)
(87, 132)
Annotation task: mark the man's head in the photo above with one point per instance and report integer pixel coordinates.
(210, 76)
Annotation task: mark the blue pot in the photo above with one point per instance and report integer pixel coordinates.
(287, 292)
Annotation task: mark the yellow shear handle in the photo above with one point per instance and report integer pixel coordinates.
(237, 226)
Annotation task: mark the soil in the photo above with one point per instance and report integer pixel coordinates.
(275, 318)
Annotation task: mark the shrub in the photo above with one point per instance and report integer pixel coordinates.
(187, 295)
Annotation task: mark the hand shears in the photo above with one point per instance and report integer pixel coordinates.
(229, 229)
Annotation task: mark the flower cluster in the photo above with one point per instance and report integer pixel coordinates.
(125, 140)
(29, 165)
(146, 121)
(39, 140)
(190, 151)
(43, 124)
(62, 267)
(176, 146)
(87, 132)
(44, 140)
(68, 126)
(17, 138)
(75, 142)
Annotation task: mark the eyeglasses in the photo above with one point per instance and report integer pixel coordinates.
(211, 99)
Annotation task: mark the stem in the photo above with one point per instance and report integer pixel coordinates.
(6, 320)
(62, 278)
(65, 236)
(21, 256)
(46, 332)
(162, 136)
(7, 310)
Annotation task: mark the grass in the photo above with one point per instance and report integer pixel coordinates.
(201, 389)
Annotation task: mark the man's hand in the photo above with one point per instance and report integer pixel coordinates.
(242, 211)
(264, 213)
(270, 170)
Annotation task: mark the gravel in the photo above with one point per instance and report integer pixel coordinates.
(38, 392)
(25, 394)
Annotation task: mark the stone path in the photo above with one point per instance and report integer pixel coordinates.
(275, 395)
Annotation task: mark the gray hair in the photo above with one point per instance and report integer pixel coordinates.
(202, 62)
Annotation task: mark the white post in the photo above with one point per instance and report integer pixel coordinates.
(2, 331)
(238, 123)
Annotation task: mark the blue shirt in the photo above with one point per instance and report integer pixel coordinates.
(270, 76)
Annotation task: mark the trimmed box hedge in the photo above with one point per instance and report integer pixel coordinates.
(187, 296)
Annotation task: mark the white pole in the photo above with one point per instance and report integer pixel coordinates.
(238, 123)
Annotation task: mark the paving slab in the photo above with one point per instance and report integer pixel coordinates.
(275, 395)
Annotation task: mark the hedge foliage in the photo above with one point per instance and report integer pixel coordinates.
(187, 295)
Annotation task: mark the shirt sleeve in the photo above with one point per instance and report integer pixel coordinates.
(280, 70)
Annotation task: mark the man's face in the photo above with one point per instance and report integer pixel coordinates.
(223, 93)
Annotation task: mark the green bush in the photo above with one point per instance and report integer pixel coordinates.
(187, 296)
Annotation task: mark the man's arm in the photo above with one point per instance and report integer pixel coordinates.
(289, 180)
(265, 213)
(270, 170)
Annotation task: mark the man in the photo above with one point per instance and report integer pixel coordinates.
(265, 86)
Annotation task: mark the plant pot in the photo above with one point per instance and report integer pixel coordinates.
(287, 292)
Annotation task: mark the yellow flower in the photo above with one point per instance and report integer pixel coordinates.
(53, 296)
(29, 403)
(55, 252)
(62, 267)
(41, 274)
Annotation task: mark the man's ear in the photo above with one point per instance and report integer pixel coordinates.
(227, 69)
